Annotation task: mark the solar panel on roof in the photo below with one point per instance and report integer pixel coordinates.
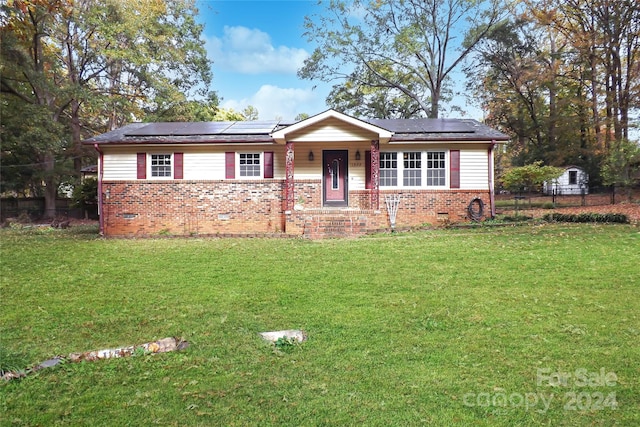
(424, 125)
(157, 129)
(257, 127)
(204, 128)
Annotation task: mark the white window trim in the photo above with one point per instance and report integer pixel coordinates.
(402, 169)
(447, 169)
(423, 170)
(261, 158)
(149, 166)
(398, 169)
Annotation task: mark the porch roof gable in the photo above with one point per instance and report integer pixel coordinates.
(329, 116)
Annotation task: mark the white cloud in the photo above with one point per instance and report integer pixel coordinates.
(275, 102)
(250, 51)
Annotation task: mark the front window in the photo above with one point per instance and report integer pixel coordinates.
(388, 169)
(250, 164)
(411, 175)
(573, 177)
(161, 165)
(436, 172)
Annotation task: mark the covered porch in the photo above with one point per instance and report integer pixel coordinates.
(331, 182)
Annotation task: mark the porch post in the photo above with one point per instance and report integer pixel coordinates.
(375, 174)
(288, 180)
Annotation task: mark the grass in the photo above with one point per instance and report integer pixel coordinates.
(445, 327)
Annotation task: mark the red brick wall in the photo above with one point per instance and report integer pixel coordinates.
(192, 207)
(244, 207)
(419, 207)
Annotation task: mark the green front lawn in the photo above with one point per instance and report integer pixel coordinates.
(486, 327)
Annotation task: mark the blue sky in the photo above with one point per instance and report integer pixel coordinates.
(257, 47)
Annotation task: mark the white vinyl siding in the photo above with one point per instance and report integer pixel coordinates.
(203, 165)
(199, 164)
(208, 163)
(474, 170)
(332, 130)
(120, 167)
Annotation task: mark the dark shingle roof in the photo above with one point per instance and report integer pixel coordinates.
(438, 129)
(260, 131)
(187, 133)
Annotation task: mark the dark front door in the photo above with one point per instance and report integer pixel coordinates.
(335, 178)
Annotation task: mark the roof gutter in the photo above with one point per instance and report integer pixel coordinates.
(100, 173)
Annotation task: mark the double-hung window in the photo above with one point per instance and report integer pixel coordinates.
(436, 172)
(161, 165)
(250, 165)
(412, 171)
(388, 169)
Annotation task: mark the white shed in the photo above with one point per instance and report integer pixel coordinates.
(574, 180)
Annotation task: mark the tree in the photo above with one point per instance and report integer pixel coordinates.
(183, 110)
(606, 34)
(621, 167)
(250, 113)
(91, 66)
(562, 77)
(34, 82)
(397, 46)
(228, 115)
(85, 195)
(529, 177)
(361, 96)
(33, 153)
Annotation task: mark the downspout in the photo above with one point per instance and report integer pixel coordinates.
(491, 185)
(100, 172)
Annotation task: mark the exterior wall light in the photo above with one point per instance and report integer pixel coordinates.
(311, 156)
(357, 154)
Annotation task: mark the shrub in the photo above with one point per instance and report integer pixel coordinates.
(586, 217)
(517, 218)
(85, 194)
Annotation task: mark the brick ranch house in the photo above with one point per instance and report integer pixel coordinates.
(327, 175)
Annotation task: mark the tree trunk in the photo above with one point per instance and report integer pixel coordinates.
(552, 93)
(594, 94)
(76, 137)
(50, 187)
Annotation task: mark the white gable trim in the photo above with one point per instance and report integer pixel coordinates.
(281, 136)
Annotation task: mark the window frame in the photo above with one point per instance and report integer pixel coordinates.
(396, 169)
(260, 159)
(150, 167)
(446, 169)
(424, 154)
(420, 169)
